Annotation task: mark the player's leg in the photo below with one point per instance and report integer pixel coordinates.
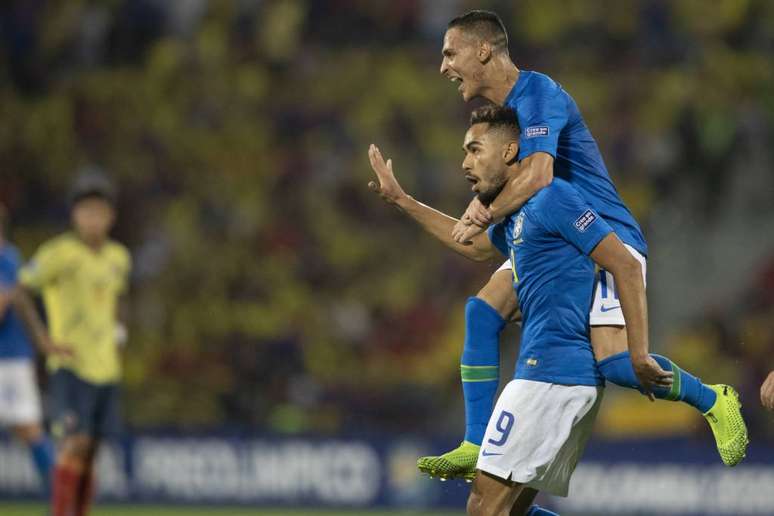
(485, 317)
(73, 405)
(494, 496)
(535, 439)
(41, 449)
(718, 403)
(20, 410)
(106, 423)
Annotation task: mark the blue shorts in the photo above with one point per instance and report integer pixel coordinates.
(80, 407)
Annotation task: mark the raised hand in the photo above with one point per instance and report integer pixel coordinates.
(388, 188)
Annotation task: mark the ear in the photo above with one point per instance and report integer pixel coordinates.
(511, 152)
(484, 52)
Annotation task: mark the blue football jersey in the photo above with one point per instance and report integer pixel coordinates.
(548, 241)
(14, 342)
(551, 122)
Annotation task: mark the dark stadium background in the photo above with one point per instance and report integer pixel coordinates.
(280, 310)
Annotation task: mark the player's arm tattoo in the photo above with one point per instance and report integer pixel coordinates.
(534, 173)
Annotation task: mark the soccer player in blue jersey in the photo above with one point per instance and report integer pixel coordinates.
(555, 142)
(19, 398)
(544, 416)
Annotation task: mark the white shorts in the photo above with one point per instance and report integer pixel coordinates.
(606, 308)
(537, 433)
(19, 397)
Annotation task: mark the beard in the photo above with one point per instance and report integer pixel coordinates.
(487, 197)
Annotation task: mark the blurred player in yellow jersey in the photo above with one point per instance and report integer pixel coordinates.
(81, 276)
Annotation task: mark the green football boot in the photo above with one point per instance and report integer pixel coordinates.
(725, 419)
(458, 463)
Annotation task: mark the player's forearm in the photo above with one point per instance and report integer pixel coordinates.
(25, 307)
(631, 291)
(533, 175)
(440, 226)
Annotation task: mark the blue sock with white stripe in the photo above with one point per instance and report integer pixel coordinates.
(536, 510)
(685, 387)
(43, 456)
(480, 366)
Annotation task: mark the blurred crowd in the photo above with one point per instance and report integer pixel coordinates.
(272, 290)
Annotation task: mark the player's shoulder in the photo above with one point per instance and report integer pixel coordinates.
(541, 85)
(59, 244)
(118, 251)
(9, 253)
(559, 189)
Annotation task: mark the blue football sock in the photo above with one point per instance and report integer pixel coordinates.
(480, 366)
(536, 510)
(685, 387)
(43, 456)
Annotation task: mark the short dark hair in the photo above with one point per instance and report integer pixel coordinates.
(92, 183)
(498, 117)
(484, 24)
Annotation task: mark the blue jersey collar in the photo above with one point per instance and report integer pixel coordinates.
(518, 88)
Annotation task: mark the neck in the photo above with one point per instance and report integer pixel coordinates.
(503, 75)
(95, 244)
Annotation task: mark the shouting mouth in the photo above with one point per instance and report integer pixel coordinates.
(474, 180)
(459, 80)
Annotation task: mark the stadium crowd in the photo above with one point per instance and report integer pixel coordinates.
(271, 292)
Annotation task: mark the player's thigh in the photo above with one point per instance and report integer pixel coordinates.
(491, 495)
(107, 414)
(499, 293)
(607, 341)
(74, 403)
(19, 395)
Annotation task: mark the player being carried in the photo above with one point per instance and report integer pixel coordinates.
(19, 396)
(81, 276)
(544, 416)
(555, 141)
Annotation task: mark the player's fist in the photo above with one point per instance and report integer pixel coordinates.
(462, 233)
(388, 188)
(650, 375)
(767, 392)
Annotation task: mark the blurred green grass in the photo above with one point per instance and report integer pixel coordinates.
(35, 509)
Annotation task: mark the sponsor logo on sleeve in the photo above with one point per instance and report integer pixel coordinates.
(585, 220)
(535, 131)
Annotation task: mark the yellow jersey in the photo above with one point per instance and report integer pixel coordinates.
(80, 289)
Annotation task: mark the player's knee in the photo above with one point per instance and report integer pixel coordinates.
(29, 433)
(77, 448)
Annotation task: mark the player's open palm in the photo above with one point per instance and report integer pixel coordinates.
(767, 392)
(388, 188)
(651, 375)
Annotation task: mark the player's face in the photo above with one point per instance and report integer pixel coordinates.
(485, 165)
(461, 64)
(93, 218)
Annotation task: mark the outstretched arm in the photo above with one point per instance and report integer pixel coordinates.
(536, 171)
(611, 255)
(440, 225)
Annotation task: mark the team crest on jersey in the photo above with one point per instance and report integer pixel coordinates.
(536, 130)
(518, 226)
(585, 220)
